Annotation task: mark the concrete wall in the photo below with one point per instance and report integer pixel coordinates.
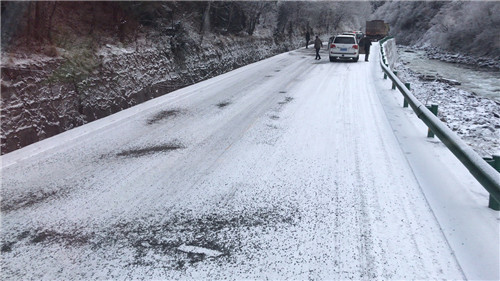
(391, 52)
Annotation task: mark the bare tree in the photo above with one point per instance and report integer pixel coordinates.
(253, 11)
(205, 21)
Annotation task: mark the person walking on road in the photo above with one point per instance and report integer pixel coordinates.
(308, 38)
(368, 43)
(317, 45)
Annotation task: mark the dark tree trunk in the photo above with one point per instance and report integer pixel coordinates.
(49, 28)
(92, 25)
(37, 26)
(205, 21)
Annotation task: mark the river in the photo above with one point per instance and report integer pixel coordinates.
(480, 81)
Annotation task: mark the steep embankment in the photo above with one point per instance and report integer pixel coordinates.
(472, 117)
(455, 26)
(39, 100)
(105, 65)
(68, 63)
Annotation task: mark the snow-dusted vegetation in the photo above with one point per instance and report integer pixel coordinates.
(472, 116)
(65, 64)
(260, 163)
(470, 27)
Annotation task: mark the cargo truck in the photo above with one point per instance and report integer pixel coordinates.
(376, 29)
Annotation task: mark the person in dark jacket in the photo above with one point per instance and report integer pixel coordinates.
(317, 45)
(308, 38)
(368, 43)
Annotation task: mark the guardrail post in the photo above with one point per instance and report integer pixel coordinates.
(495, 163)
(393, 83)
(486, 175)
(405, 102)
(434, 109)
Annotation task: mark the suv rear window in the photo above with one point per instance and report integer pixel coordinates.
(344, 40)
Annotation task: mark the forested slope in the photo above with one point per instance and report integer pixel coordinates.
(65, 64)
(467, 27)
(68, 63)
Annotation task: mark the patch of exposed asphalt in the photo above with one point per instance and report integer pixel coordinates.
(164, 114)
(223, 104)
(272, 126)
(138, 152)
(30, 199)
(7, 247)
(150, 241)
(287, 100)
(69, 239)
(44, 236)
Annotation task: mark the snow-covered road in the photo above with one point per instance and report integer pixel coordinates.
(288, 168)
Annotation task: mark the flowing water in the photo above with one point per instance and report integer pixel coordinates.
(480, 81)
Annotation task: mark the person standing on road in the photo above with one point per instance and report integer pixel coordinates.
(308, 38)
(368, 43)
(317, 45)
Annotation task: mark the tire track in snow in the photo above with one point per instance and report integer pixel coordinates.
(326, 200)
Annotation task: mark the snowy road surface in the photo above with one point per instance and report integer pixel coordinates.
(289, 168)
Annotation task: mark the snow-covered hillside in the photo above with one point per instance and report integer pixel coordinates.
(71, 63)
(470, 27)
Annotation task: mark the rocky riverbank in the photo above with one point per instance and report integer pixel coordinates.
(473, 117)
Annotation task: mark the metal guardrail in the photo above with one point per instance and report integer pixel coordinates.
(485, 174)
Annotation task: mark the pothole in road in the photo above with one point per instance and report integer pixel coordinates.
(164, 114)
(138, 152)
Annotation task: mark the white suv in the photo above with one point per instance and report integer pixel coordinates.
(344, 46)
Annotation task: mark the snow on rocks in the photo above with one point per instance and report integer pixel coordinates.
(492, 63)
(474, 118)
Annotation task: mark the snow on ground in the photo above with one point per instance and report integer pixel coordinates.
(473, 61)
(452, 193)
(288, 168)
(19, 61)
(475, 118)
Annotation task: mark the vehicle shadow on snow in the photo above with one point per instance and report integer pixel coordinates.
(321, 61)
(344, 61)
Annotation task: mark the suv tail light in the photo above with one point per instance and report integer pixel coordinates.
(355, 46)
(332, 46)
